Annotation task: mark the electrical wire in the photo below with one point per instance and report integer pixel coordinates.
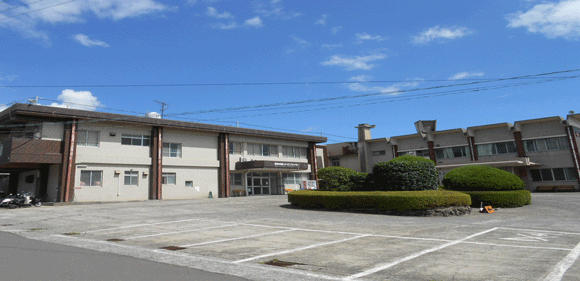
(24, 5)
(32, 11)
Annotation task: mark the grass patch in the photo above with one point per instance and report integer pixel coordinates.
(381, 200)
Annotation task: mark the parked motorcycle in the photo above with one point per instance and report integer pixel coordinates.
(20, 200)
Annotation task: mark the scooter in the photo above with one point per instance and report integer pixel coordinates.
(24, 200)
(9, 202)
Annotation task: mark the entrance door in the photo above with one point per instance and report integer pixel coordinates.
(260, 183)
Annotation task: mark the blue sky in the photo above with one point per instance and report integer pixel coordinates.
(385, 61)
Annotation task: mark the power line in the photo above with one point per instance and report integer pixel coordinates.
(92, 106)
(44, 8)
(370, 94)
(246, 83)
(14, 7)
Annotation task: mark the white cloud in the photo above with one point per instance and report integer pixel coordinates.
(393, 89)
(254, 22)
(331, 46)
(361, 37)
(356, 62)
(231, 25)
(212, 12)
(463, 75)
(550, 19)
(77, 100)
(8, 78)
(86, 41)
(308, 129)
(336, 29)
(303, 43)
(322, 20)
(438, 32)
(24, 20)
(274, 9)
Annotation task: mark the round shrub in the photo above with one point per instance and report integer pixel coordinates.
(405, 173)
(481, 178)
(359, 182)
(502, 199)
(335, 178)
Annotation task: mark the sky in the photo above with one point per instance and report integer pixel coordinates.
(307, 67)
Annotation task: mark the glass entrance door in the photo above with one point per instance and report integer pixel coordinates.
(260, 183)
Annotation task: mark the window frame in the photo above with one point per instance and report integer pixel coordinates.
(542, 144)
(496, 146)
(85, 142)
(166, 176)
(131, 175)
(537, 175)
(464, 151)
(334, 162)
(379, 152)
(168, 153)
(236, 179)
(90, 181)
(232, 147)
(132, 138)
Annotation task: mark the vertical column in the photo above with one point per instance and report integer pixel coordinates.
(520, 144)
(574, 149)
(224, 169)
(472, 148)
(156, 176)
(312, 161)
(431, 147)
(395, 149)
(68, 168)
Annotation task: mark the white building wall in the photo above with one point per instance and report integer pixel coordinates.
(543, 129)
(52, 131)
(204, 180)
(113, 185)
(411, 143)
(25, 187)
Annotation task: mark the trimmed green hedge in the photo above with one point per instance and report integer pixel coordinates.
(382, 200)
(405, 173)
(481, 178)
(335, 178)
(502, 199)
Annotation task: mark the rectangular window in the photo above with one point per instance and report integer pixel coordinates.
(188, 183)
(235, 148)
(497, 148)
(87, 138)
(548, 144)
(171, 149)
(169, 178)
(335, 162)
(1, 148)
(293, 178)
(236, 178)
(554, 174)
(452, 152)
(91, 178)
(136, 140)
(262, 150)
(379, 153)
(131, 178)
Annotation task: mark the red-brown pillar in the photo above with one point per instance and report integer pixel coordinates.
(395, 149)
(224, 169)
(431, 147)
(68, 168)
(311, 155)
(520, 144)
(574, 149)
(156, 177)
(472, 148)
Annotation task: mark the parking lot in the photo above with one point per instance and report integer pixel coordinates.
(263, 238)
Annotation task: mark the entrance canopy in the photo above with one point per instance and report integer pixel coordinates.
(271, 166)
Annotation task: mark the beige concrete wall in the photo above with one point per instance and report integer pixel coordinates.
(544, 129)
(376, 146)
(448, 140)
(204, 180)
(493, 135)
(24, 187)
(113, 187)
(110, 150)
(52, 131)
(350, 161)
(335, 149)
(411, 143)
(198, 149)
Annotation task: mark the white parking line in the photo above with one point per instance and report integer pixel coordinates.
(176, 232)
(300, 249)
(237, 238)
(516, 246)
(137, 225)
(415, 255)
(561, 268)
(538, 230)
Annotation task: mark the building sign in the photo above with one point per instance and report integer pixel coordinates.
(271, 165)
(309, 184)
(287, 165)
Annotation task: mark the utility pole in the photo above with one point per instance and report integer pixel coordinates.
(163, 107)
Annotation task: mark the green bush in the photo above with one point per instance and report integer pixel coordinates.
(502, 199)
(481, 178)
(359, 182)
(381, 200)
(335, 178)
(405, 173)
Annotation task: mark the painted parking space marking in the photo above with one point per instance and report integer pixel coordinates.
(539, 230)
(178, 232)
(237, 238)
(300, 249)
(137, 225)
(534, 237)
(418, 254)
(560, 269)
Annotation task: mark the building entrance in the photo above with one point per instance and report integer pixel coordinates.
(261, 183)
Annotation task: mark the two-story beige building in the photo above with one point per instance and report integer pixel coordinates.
(543, 152)
(65, 155)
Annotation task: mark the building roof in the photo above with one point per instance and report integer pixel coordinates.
(56, 113)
